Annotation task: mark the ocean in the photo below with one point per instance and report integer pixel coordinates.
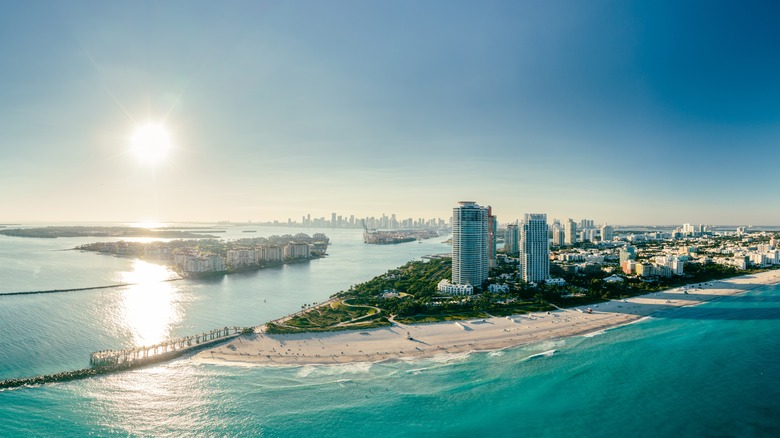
(709, 370)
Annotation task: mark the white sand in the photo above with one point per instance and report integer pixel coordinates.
(495, 333)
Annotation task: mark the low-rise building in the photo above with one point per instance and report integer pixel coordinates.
(498, 288)
(448, 288)
(614, 279)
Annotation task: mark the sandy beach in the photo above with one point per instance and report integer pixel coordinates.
(402, 341)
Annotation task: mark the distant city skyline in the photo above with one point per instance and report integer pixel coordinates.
(626, 112)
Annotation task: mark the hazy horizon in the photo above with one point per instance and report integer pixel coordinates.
(624, 112)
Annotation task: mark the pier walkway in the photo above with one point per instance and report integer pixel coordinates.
(107, 361)
(170, 347)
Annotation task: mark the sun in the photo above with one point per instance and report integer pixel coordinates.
(151, 143)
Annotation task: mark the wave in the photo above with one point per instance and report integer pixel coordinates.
(438, 361)
(549, 345)
(548, 353)
(334, 370)
(448, 358)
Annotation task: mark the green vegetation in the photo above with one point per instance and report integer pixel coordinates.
(416, 278)
(409, 295)
(334, 315)
(324, 316)
(377, 322)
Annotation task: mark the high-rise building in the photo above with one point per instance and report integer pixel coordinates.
(470, 258)
(511, 240)
(535, 248)
(607, 233)
(570, 231)
(558, 236)
(491, 241)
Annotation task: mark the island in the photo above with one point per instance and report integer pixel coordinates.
(122, 232)
(378, 237)
(204, 257)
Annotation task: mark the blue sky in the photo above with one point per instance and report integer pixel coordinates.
(621, 111)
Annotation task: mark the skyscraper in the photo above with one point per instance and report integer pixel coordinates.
(511, 240)
(470, 257)
(491, 241)
(535, 248)
(570, 231)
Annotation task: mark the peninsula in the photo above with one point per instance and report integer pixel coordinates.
(402, 341)
(405, 312)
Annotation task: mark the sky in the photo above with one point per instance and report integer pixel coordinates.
(625, 112)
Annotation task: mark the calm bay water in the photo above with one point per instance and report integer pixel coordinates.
(701, 371)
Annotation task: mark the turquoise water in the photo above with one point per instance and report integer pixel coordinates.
(710, 370)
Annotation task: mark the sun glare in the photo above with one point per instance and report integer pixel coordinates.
(150, 143)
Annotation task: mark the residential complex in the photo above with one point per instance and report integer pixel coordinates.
(470, 244)
(583, 248)
(195, 257)
(664, 254)
(534, 248)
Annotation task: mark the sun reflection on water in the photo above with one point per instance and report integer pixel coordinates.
(174, 399)
(145, 272)
(151, 306)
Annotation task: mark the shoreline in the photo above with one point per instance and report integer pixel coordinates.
(420, 341)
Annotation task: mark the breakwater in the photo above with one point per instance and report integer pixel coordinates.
(108, 361)
(76, 289)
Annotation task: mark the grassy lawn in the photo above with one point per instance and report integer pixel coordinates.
(328, 316)
(375, 322)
